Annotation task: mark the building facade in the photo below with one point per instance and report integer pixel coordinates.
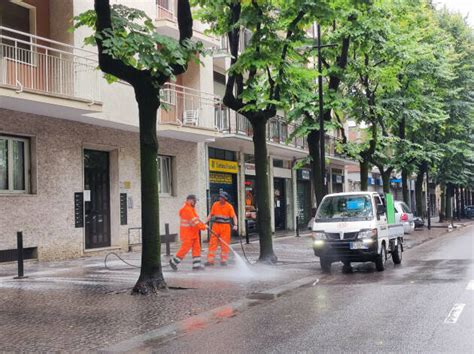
(69, 148)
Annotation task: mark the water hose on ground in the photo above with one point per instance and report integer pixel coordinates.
(123, 260)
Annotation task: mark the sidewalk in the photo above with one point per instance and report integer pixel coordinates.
(79, 305)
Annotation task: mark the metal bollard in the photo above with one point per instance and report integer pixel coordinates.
(247, 238)
(167, 235)
(297, 226)
(19, 251)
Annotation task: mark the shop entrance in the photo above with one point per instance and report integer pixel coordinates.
(223, 182)
(97, 198)
(280, 203)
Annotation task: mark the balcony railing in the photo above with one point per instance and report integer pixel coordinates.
(185, 106)
(223, 49)
(166, 9)
(278, 131)
(32, 63)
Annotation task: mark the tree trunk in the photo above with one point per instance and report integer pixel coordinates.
(263, 191)
(406, 197)
(458, 214)
(151, 275)
(386, 180)
(419, 193)
(463, 192)
(442, 209)
(315, 153)
(449, 205)
(364, 175)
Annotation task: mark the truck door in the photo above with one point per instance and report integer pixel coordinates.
(381, 219)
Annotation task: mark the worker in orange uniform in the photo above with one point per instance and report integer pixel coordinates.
(222, 215)
(189, 234)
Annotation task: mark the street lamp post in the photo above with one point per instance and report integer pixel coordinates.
(319, 46)
(321, 114)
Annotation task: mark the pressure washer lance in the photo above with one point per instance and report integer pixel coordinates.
(220, 239)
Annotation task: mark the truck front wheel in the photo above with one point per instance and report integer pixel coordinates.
(397, 253)
(325, 265)
(381, 258)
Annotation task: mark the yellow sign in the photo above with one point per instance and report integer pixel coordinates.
(223, 166)
(220, 178)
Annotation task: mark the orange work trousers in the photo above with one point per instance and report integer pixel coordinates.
(189, 242)
(223, 230)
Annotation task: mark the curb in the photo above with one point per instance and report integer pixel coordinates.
(204, 319)
(448, 231)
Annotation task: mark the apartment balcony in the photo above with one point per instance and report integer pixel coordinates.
(235, 126)
(221, 51)
(42, 76)
(167, 23)
(188, 114)
(237, 134)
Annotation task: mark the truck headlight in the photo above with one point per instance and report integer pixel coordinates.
(318, 238)
(367, 235)
(319, 235)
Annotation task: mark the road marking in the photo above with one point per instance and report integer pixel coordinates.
(470, 285)
(454, 313)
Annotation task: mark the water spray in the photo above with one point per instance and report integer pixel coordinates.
(238, 257)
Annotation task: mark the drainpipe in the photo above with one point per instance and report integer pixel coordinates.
(294, 186)
(241, 193)
(272, 192)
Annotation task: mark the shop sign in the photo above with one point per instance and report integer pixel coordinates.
(223, 166)
(220, 178)
(304, 174)
(250, 169)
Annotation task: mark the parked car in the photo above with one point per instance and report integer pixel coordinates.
(469, 211)
(404, 215)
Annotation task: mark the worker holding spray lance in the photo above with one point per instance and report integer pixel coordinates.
(189, 234)
(221, 217)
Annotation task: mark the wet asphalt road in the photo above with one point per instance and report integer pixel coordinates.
(424, 305)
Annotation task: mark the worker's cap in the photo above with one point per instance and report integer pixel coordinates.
(224, 195)
(192, 197)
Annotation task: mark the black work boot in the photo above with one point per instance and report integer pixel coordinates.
(209, 264)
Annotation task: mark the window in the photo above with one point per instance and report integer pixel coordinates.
(14, 165)
(19, 18)
(165, 175)
(278, 163)
(221, 154)
(345, 207)
(405, 208)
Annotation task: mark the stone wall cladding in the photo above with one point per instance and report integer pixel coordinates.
(47, 217)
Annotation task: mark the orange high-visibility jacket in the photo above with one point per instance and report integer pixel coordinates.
(189, 222)
(220, 211)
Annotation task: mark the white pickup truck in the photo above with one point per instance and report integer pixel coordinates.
(352, 227)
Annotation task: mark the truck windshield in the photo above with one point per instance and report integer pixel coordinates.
(345, 208)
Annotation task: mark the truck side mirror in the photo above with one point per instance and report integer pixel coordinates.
(380, 209)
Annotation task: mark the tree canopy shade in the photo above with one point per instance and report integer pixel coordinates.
(259, 73)
(130, 50)
(403, 72)
(336, 22)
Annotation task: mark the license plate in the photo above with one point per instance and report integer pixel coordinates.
(358, 246)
